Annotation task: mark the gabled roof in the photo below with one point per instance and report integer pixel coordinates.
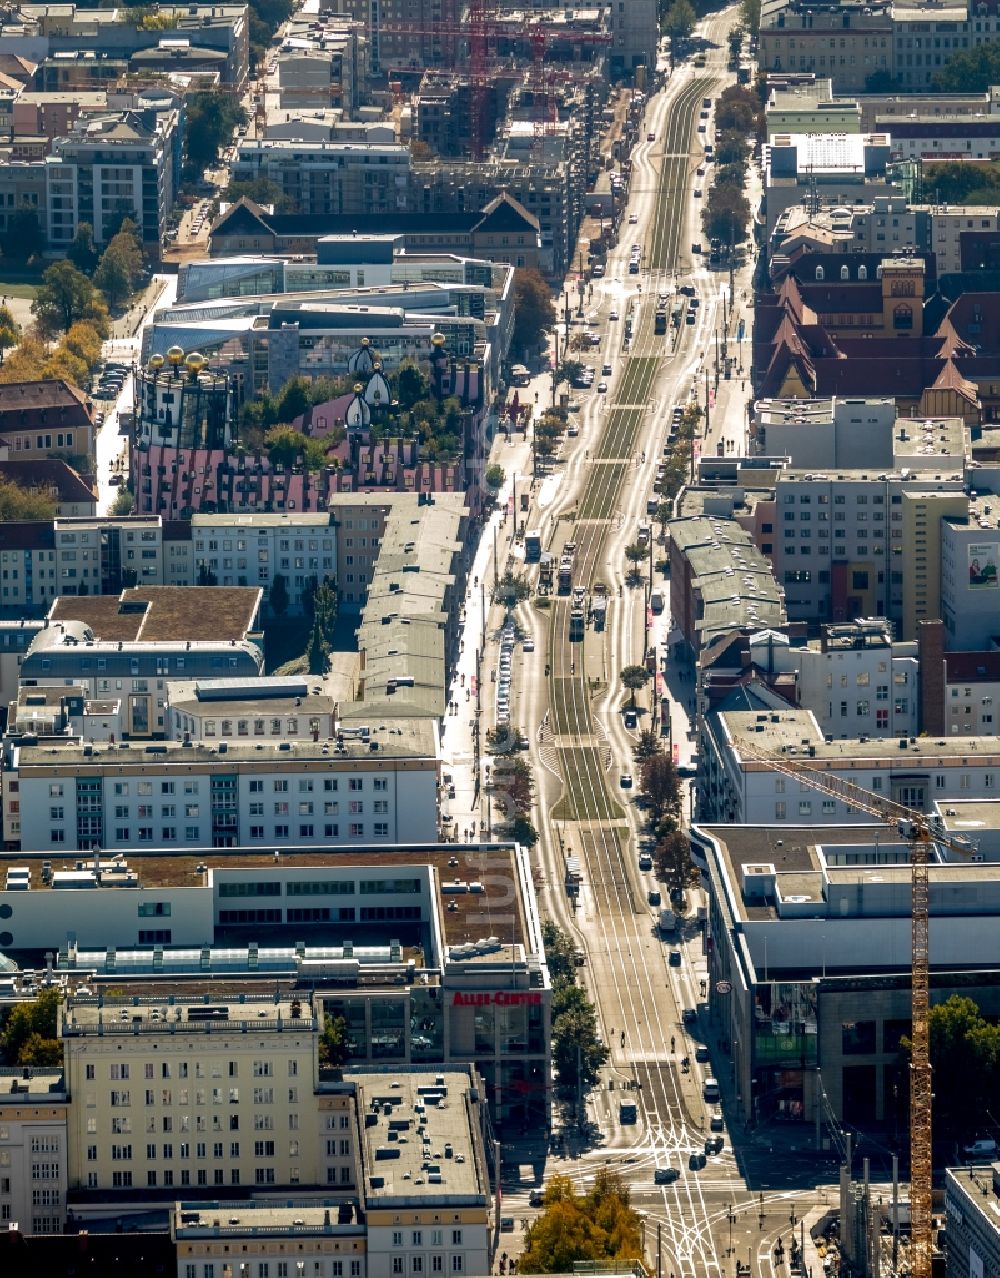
(505, 214)
(951, 379)
(47, 474)
(243, 218)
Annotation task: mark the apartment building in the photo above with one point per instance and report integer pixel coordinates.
(847, 42)
(244, 550)
(46, 419)
(60, 37)
(720, 581)
(445, 1227)
(16, 637)
(916, 773)
(321, 1237)
(276, 708)
(378, 785)
(34, 1108)
(971, 1195)
(813, 948)
(329, 177)
(860, 544)
(120, 162)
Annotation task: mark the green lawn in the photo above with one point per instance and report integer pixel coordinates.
(9, 288)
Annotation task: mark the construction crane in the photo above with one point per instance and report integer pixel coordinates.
(915, 828)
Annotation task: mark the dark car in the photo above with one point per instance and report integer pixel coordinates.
(675, 958)
(689, 1016)
(701, 1054)
(654, 897)
(665, 1175)
(697, 1160)
(714, 1144)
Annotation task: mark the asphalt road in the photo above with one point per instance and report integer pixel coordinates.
(567, 699)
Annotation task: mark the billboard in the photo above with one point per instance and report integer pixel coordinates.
(983, 559)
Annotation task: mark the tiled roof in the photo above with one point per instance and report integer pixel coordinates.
(47, 474)
(972, 667)
(34, 397)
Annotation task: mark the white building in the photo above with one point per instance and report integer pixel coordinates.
(827, 433)
(375, 784)
(916, 772)
(970, 575)
(848, 678)
(314, 1237)
(33, 1150)
(252, 550)
(432, 954)
(210, 710)
(329, 177)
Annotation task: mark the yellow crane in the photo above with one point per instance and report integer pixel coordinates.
(914, 827)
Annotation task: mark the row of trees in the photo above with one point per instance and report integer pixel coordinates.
(513, 795)
(738, 116)
(578, 1052)
(660, 792)
(116, 271)
(211, 119)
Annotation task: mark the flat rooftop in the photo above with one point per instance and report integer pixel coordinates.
(245, 1218)
(87, 1014)
(164, 614)
(794, 733)
(465, 916)
(419, 1138)
(227, 698)
(32, 1086)
(400, 739)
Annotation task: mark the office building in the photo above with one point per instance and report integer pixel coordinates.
(811, 942)
(846, 679)
(861, 544)
(226, 792)
(122, 162)
(970, 563)
(839, 168)
(738, 786)
(431, 954)
(282, 708)
(242, 550)
(329, 178)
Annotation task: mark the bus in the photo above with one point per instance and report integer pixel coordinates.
(520, 375)
(660, 321)
(576, 625)
(532, 547)
(627, 1112)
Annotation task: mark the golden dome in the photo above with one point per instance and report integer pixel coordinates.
(175, 354)
(156, 362)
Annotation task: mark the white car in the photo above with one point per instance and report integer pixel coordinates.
(613, 315)
(633, 219)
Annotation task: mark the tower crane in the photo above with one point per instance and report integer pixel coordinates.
(915, 828)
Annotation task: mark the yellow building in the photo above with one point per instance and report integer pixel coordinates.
(918, 554)
(170, 1093)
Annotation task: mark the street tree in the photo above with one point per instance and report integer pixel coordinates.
(522, 831)
(534, 312)
(600, 1227)
(750, 15)
(63, 297)
(559, 952)
(578, 1052)
(662, 515)
(633, 678)
(493, 477)
(672, 855)
(660, 787)
(679, 21)
(211, 118)
(510, 589)
(647, 746)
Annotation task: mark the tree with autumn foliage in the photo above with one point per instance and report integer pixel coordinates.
(601, 1225)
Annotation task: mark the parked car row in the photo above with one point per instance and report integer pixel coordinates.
(507, 640)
